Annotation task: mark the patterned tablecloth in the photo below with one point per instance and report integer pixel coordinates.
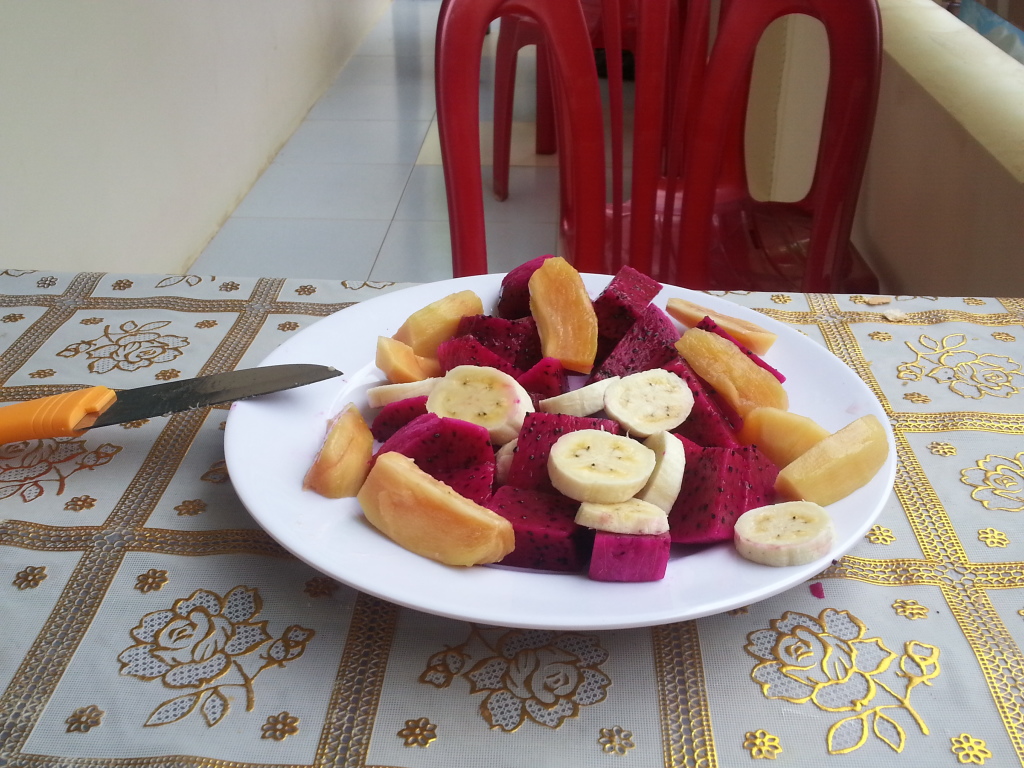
(147, 620)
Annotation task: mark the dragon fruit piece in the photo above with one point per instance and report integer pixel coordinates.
(649, 343)
(440, 445)
(546, 379)
(475, 482)
(719, 485)
(540, 431)
(707, 324)
(514, 301)
(466, 350)
(620, 304)
(707, 423)
(547, 538)
(528, 337)
(396, 415)
(627, 557)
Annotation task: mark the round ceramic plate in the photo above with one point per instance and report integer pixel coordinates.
(271, 441)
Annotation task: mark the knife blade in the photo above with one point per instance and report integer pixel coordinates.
(71, 413)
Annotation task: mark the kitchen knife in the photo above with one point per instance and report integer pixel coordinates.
(71, 413)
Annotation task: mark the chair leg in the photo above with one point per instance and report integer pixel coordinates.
(544, 142)
(504, 93)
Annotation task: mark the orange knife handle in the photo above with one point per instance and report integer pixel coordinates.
(64, 415)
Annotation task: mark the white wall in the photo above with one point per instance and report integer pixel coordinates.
(130, 129)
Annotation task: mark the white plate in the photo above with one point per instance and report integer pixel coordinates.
(271, 441)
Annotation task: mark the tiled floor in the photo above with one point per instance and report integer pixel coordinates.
(358, 191)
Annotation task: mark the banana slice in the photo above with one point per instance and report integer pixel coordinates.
(667, 479)
(790, 533)
(484, 396)
(648, 402)
(378, 397)
(597, 466)
(503, 461)
(579, 402)
(631, 516)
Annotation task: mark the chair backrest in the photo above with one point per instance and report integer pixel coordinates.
(713, 167)
(462, 25)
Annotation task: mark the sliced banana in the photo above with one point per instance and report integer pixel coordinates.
(667, 479)
(378, 397)
(597, 466)
(790, 533)
(503, 461)
(632, 516)
(648, 402)
(484, 396)
(579, 402)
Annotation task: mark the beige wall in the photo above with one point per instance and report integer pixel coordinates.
(130, 129)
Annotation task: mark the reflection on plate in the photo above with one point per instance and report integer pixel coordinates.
(271, 441)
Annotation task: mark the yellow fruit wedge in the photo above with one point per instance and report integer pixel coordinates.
(343, 461)
(425, 516)
(565, 316)
(401, 365)
(781, 435)
(741, 382)
(838, 465)
(752, 336)
(425, 328)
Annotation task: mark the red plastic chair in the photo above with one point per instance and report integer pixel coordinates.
(726, 239)
(462, 25)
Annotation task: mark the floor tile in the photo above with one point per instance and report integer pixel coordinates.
(522, 150)
(415, 251)
(394, 101)
(326, 191)
(321, 248)
(355, 141)
(384, 70)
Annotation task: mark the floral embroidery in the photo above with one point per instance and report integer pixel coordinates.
(880, 336)
(829, 662)
(781, 298)
(418, 733)
(134, 424)
(288, 325)
(14, 317)
(136, 346)
(203, 638)
(969, 749)
(191, 507)
(46, 282)
(998, 482)
(80, 503)
(354, 285)
(993, 538)
(280, 726)
(306, 290)
(91, 321)
(122, 285)
(172, 280)
(917, 397)
(229, 286)
(152, 580)
(974, 302)
(910, 609)
(206, 324)
(167, 375)
(84, 718)
(217, 473)
(880, 535)
(26, 466)
(858, 299)
(967, 373)
(616, 740)
(544, 676)
(30, 577)
(739, 611)
(762, 745)
(321, 586)
(43, 373)
(942, 449)
(1003, 336)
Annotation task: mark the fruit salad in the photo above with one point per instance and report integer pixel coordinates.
(571, 434)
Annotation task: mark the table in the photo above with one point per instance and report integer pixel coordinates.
(148, 621)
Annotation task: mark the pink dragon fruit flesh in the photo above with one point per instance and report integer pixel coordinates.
(514, 300)
(515, 341)
(649, 343)
(546, 379)
(465, 350)
(547, 538)
(620, 304)
(540, 431)
(396, 415)
(707, 424)
(625, 557)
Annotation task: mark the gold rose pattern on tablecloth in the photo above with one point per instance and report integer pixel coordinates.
(207, 644)
(829, 661)
(998, 482)
(966, 373)
(129, 348)
(30, 467)
(535, 675)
